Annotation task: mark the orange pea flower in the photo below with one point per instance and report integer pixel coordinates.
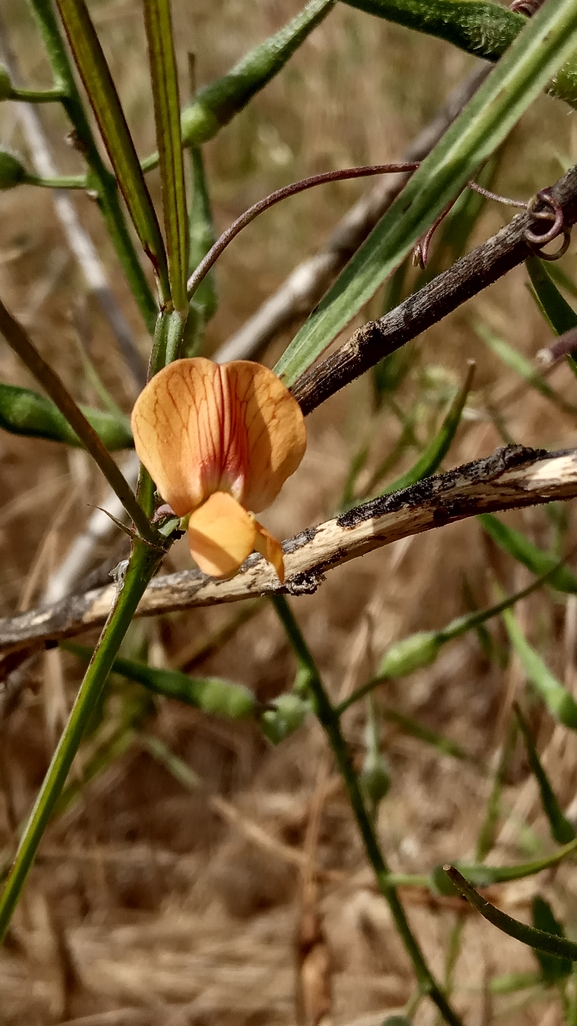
(218, 441)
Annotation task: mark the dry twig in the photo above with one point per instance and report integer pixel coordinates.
(511, 478)
(466, 278)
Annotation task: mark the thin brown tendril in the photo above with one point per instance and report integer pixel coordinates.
(554, 214)
(421, 250)
(275, 197)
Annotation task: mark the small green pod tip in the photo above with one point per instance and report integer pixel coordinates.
(12, 170)
(375, 777)
(410, 654)
(284, 719)
(6, 88)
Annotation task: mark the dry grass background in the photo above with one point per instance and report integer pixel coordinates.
(156, 903)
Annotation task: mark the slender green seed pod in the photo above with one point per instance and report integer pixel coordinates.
(410, 654)
(211, 694)
(12, 170)
(375, 777)
(6, 88)
(287, 716)
(216, 104)
(24, 412)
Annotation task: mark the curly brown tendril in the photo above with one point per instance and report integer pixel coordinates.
(536, 240)
(543, 207)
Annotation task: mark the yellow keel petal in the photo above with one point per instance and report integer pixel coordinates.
(221, 535)
(270, 548)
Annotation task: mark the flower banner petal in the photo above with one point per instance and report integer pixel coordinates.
(177, 428)
(275, 427)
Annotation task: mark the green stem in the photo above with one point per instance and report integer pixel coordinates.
(103, 181)
(37, 95)
(60, 182)
(142, 565)
(329, 720)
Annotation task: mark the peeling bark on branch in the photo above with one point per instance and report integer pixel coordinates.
(468, 276)
(512, 477)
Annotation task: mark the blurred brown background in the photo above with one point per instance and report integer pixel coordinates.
(156, 902)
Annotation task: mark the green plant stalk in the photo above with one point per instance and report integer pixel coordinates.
(22, 345)
(100, 177)
(142, 565)
(101, 91)
(562, 830)
(439, 446)
(37, 95)
(216, 104)
(165, 94)
(329, 720)
(59, 182)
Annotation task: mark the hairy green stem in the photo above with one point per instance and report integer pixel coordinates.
(479, 27)
(101, 178)
(142, 565)
(329, 720)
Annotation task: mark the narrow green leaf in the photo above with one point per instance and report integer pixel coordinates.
(558, 700)
(560, 315)
(518, 363)
(165, 94)
(103, 97)
(480, 28)
(511, 983)
(562, 279)
(439, 446)
(552, 968)
(539, 940)
(413, 728)
(211, 694)
(488, 830)
(24, 412)
(544, 43)
(521, 549)
(217, 103)
(481, 875)
(561, 829)
(176, 766)
(202, 236)
(356, 465)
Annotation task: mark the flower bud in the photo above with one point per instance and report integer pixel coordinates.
(12, 171)
(375, 777)
(279, 723)
(410, 654)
